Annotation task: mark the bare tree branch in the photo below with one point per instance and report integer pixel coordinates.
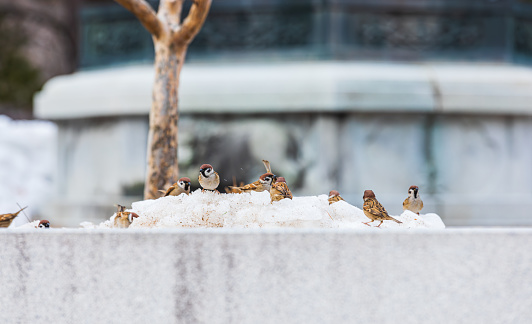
(145, 14)
(194, 20)
(170, 12)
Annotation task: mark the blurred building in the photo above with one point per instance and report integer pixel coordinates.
(337, 94)
(38, 40)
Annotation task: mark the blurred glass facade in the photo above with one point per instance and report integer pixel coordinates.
(470, 30)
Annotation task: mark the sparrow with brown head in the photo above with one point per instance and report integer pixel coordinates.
(374, 210)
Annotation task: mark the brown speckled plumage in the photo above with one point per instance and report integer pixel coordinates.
(280, 190)
(263, 184)
(181, 186)
(374, 210)
(123, 218)
(7, 219)
(334, 196)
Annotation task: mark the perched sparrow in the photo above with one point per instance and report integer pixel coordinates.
(413, 202)
(374, 210)
(44, 224)
(263, 184)
(334, 196)
(181, 186)
(123, 218)
(6, 219)
(208, 178)
(280, 190)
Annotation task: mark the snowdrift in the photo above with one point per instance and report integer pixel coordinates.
(254, 210)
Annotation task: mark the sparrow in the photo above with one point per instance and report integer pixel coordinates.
(280, 190)
(413, 202)
(208, 178)
(123, 218)
(263, 184)
(6, 219)
(374, 210)
(181, 186)
(44, 224)
(334, 196)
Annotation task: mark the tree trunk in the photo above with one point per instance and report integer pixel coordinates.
(162, 169)
(170, 39)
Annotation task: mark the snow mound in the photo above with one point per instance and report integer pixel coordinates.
(254, 210)
(32, 224)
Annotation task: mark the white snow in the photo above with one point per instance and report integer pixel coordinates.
(254, 210)
(32, 224)
(27, 165)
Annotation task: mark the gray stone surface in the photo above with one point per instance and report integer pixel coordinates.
(270, 276)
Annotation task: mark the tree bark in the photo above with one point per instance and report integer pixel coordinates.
(171, 40)
(162, 169)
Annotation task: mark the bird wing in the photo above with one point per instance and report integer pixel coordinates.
(234, 190)
(6, 219)
(283, 189)
(250, 187)
(405, 204)
(375, 208)
(335, 199)
(169, 190)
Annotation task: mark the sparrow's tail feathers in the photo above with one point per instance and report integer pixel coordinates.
(267, 166)
(20, 210)
(395, 220)
(234, 190)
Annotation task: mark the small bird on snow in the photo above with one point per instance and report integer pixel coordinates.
(181, 186)
(208, 178)
(280, 190)
(334, 196)
(6, 219)
(413, 202)
(263, 184)
(374, 210)
(123, 218)
(44, 224)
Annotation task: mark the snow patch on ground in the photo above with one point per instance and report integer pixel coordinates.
(254, 210)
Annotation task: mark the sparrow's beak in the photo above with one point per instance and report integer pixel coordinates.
(415, 193)
(187, 185)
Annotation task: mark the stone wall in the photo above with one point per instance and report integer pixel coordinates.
(267, 276)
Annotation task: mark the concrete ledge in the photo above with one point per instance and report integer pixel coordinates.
(273, 276)
(296, 87)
